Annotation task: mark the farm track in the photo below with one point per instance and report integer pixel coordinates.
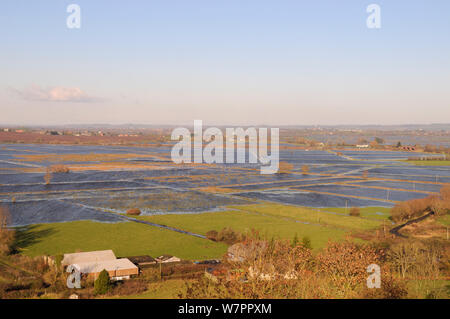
(395, 230)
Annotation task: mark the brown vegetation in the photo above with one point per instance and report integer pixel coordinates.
(154, 138)
(439, 205)
(305, 169)
(50, 170)
(365, 174)
(285, 168)
(226, 235)
(48, 176)
(6, 234)
(212, 235)
(134, 211)
(278, 269)
(355, 211)
(59, 169)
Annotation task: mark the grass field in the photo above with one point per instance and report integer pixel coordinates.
(125, 239)
(429, 163)
(267, 225)
(168, 289)
(322, 216)
(368, 212)
(444, 220)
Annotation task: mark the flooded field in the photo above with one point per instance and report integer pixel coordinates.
(105, 181)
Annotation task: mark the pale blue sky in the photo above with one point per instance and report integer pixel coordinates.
(224, 62)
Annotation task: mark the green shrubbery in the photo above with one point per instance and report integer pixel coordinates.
(102, 283)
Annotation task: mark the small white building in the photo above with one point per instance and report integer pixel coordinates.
(167, 259)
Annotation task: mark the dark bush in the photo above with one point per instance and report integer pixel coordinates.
(102, 283)
(354, 211)
(212, 235)
(134, 211)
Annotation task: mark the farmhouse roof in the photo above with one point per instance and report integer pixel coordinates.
(164, 257)
(91, 256)
(109, 265)
(142, 259)
(167, 258)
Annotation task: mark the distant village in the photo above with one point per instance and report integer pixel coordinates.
(412, 139)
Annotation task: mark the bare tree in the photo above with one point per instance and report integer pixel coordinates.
(5, 218)
(48, 176)
(305, 169)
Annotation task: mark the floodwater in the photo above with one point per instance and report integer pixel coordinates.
(145, 178)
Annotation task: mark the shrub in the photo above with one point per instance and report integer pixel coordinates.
(59, 169)
(294, 242)
(134, 211)
(305, 169)
(346, 263)
(391, 288)
(355, 211)
(413, 208)
(365, 174)
(48, 176)
(285, 168)
(445, 193)
(7, 235)
(306, 242)
(228, 236)
(102, 283)
(129, 287)
(212, 235)
(58, 261)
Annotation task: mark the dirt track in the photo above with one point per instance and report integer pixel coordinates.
(395, 230)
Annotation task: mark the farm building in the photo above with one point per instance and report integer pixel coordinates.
(117, 269)
(142, 260)
(90, 256)
(93, 262)
(167, 259)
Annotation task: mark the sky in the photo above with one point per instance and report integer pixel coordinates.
(236, 62)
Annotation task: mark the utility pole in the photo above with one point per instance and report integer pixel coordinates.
(346, 206)
(384, 229)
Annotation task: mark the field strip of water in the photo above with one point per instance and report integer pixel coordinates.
(21, 164)
(84, 190)
(352, 196)
(131, 219)
(389, 188)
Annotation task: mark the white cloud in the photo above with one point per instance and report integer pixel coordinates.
(56, 94)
